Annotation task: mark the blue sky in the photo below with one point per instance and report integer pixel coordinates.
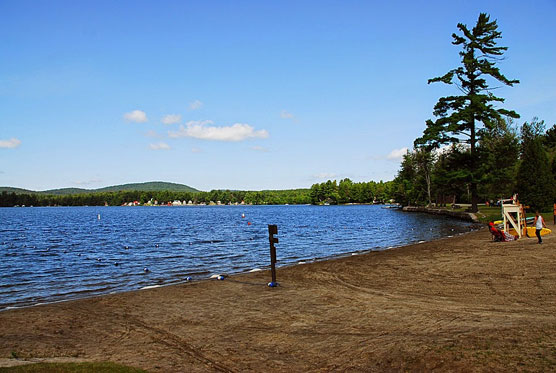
(240, 94)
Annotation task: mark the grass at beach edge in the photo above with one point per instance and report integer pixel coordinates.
(106, 367)
(493, 213)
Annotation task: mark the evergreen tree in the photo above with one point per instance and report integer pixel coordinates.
(410, 184)
(550, 138)
(450, 176)
(499, 155)
(424, 160)
(535, 183)
(554, 179)
(344, 191)
(550, 142)
(460, 117)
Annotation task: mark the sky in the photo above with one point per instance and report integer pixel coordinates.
(247, 95)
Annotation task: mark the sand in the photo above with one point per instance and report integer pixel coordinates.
(456, 304)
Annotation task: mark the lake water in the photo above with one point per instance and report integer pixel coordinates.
(51, 254)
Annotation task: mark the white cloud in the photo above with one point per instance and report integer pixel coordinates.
(286, 115)
(171, 119)
(137, 116)
(396, 154)
(159, 146)
(195, 105)
(196, 150)
(10, 144)
(324, 176)
(448, 148)
(202, 130)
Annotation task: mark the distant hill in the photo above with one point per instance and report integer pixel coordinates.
(149, 187)
(16, 190)
(67, 191)
(143, 187)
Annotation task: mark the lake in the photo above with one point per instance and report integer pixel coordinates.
(53, 254)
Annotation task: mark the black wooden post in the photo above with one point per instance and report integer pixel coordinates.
(272, 230)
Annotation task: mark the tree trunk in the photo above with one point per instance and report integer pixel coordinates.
(473, 139)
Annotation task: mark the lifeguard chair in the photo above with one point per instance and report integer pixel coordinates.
(514, 216)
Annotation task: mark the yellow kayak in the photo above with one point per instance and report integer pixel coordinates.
(531, 232)
(529, 221)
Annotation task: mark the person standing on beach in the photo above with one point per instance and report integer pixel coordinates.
(539, 225)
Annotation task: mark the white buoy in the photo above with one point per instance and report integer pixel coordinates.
(98, 216)
(218, 277)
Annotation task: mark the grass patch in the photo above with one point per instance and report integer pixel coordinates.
(71, 368)
(485, 214)
(493, 213)
(490, 213)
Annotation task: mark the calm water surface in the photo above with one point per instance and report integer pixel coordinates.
(57, 253)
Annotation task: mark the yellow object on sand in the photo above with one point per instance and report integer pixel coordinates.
(530, 231)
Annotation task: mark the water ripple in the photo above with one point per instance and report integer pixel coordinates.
(53, 254)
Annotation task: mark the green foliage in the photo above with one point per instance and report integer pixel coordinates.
(451, 177)
(459, 117)
(554, 178)
(499, 156)
(413, 183)
(535, 181)
(550, 138)
(407, 188)
(16, 190)
(149, 187)
(349, 192)
(163, 197)
(152, 186)
(550, 145)
(509, 163)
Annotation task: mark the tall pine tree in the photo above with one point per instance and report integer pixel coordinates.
(461, 118)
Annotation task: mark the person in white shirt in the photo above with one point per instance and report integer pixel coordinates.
(539, 225)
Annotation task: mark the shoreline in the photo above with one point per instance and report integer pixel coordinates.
(461, 215)
(461, 303)
(300, 261)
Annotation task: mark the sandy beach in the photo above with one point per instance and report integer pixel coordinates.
(456, 304)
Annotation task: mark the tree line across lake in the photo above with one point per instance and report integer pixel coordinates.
(330, 192)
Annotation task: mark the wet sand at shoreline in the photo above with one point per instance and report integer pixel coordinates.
(457, 304)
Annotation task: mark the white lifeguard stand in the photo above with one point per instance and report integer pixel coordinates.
(516, 209)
